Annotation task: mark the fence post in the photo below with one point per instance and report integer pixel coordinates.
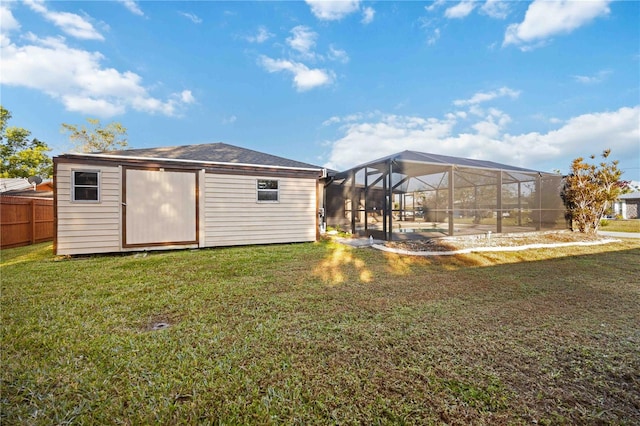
(33, 221)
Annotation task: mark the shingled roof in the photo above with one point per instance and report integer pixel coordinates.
(215, 153)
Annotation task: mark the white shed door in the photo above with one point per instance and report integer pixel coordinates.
(160, 207)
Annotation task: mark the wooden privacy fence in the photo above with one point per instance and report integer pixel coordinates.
(25, 221)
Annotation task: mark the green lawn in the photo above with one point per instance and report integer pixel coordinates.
(620, 225)
(321, 334)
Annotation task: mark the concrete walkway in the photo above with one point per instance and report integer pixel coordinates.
(619, 234)
(359, 242)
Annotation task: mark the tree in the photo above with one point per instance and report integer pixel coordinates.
(21, 157)
(589, 190)
(111, 137)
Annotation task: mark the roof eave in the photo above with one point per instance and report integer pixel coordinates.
(178, 160)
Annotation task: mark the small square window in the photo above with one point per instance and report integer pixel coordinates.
(267, 190)
(86, 185)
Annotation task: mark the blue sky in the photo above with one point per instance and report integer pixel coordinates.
(533, 84)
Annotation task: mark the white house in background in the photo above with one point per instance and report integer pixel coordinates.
(628, 206)
(22, 187)
(14, 184)
(189, 196)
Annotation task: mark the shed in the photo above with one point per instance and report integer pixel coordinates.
(191, 196)
(415, 195)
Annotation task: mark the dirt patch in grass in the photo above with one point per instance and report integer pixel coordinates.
(445, 244)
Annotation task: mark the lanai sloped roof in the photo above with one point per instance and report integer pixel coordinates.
(442, 160)
(413, 169)
(213, 152)
(458, 161)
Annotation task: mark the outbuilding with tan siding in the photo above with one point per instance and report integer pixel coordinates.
(192, 196)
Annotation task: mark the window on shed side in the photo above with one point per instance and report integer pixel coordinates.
(86, 185)
(268, 190)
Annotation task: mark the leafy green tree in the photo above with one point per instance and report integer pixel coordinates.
(97, 138)
(589, 190)
(20, 156)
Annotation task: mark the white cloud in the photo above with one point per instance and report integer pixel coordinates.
(338, 55)
(132, 6)
(599, 77)
(331, 120)
(434, 37)
(367, 15)
(349, 118)
(373, 137)
(304, 78)
(433, 6)
(488, 96)
(77, 78)
(70, 23)
(461, 10)
(545, 119)
(192, 17)
(328, 10)
(366, 140)
(186, 97)
(303, 40)
(601, 128)
(498, 9)
(302, 43)
(493, 124)
(548, 18)
(7, 22)
(581, 136)
(229, 120)
(92, 106)
(261, 36)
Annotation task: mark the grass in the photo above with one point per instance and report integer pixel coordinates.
(321, 334)
(620, 225)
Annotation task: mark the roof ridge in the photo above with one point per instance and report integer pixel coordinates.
(213, 152)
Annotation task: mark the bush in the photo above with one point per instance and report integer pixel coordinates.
(589, 191)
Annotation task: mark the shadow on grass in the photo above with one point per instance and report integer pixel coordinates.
(342, 264)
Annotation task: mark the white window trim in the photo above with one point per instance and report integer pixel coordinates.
(258, 190)
(73, 185)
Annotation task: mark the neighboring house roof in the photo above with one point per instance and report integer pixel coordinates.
(28, 193)
(14, 184)
(20, 184)
(213, 152)
(630, 196)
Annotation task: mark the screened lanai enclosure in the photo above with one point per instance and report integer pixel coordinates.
(413, 195)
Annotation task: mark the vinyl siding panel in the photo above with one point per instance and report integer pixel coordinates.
(233, 216)
(88, 227)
